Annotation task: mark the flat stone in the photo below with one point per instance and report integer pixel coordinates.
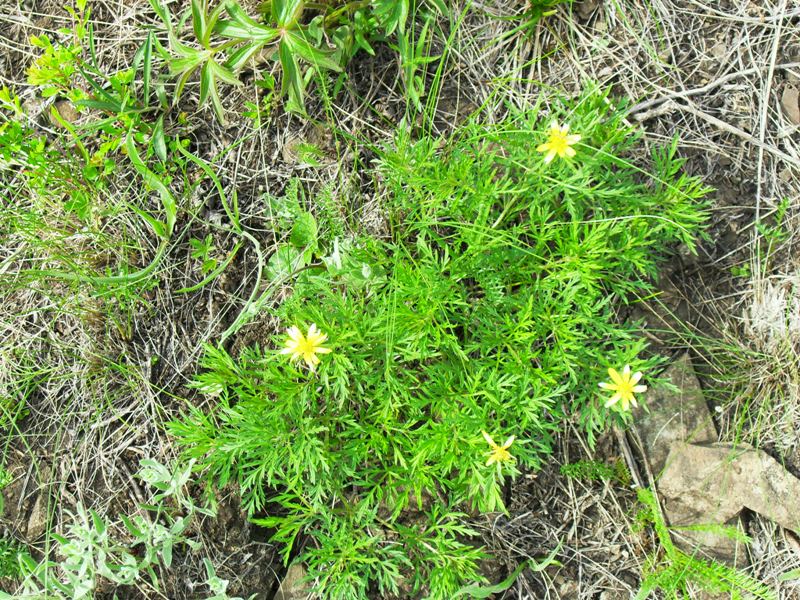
(38, 519)
(293, 586)
(713, 483)
(790, 103)
(673, 416)
(681, 416)
(702, 482)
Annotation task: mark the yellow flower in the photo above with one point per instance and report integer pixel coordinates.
(624, 387)
(499, 453)
(306, 346)
(558, 142)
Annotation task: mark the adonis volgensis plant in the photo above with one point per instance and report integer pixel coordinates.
(424, 369)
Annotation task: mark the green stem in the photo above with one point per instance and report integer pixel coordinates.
(350, 6)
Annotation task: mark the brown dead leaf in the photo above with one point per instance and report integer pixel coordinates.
(790, 103)
(66, 110)
(586, 8)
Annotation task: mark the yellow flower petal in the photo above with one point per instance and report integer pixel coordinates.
(305, 347)
(558, 142)
(489, 439)
(624, 387)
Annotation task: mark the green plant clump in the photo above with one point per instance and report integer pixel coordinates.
(306, 38)
(92, 556)
(10, 553)
(675, 570)
(592, 470)
(489, 307)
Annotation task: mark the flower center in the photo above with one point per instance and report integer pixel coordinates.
(305, 346)
(625, 388)
(558, 141)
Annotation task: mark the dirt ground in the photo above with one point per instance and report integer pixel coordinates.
(722, 75)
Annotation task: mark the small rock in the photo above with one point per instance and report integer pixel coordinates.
(585, 8)
(614, 595)
(719, 51)
(569, 591)
(37, 521)
(790, 103)
(293, 586)
(713, 483)
(66, 110)
(674, 416)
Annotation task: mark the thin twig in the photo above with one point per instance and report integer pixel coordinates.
(647, 104)
(671, 106)
(762, 127)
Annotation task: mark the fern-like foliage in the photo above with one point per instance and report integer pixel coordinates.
(672, 570)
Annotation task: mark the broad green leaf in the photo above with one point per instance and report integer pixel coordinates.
(361, 25)
(216, 103)
(162, 12)
(223, 74)
(292, 79)
(284, 262)
(206, 82)
(147, 68)
(212, 23)
(303, 48)
(166, 553)
(304, 231)
(180, 84)
(131, 527)
(78, 204)
(392, 14)
(208, 89)
(155, 183)
(99, 524)
(244, 27)
(190, 63)
(239, 59)
(199, 19)
(159, 143)
(286, 12)
(158, 227)
(112, 107)
(789, 575)
(180, 48)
